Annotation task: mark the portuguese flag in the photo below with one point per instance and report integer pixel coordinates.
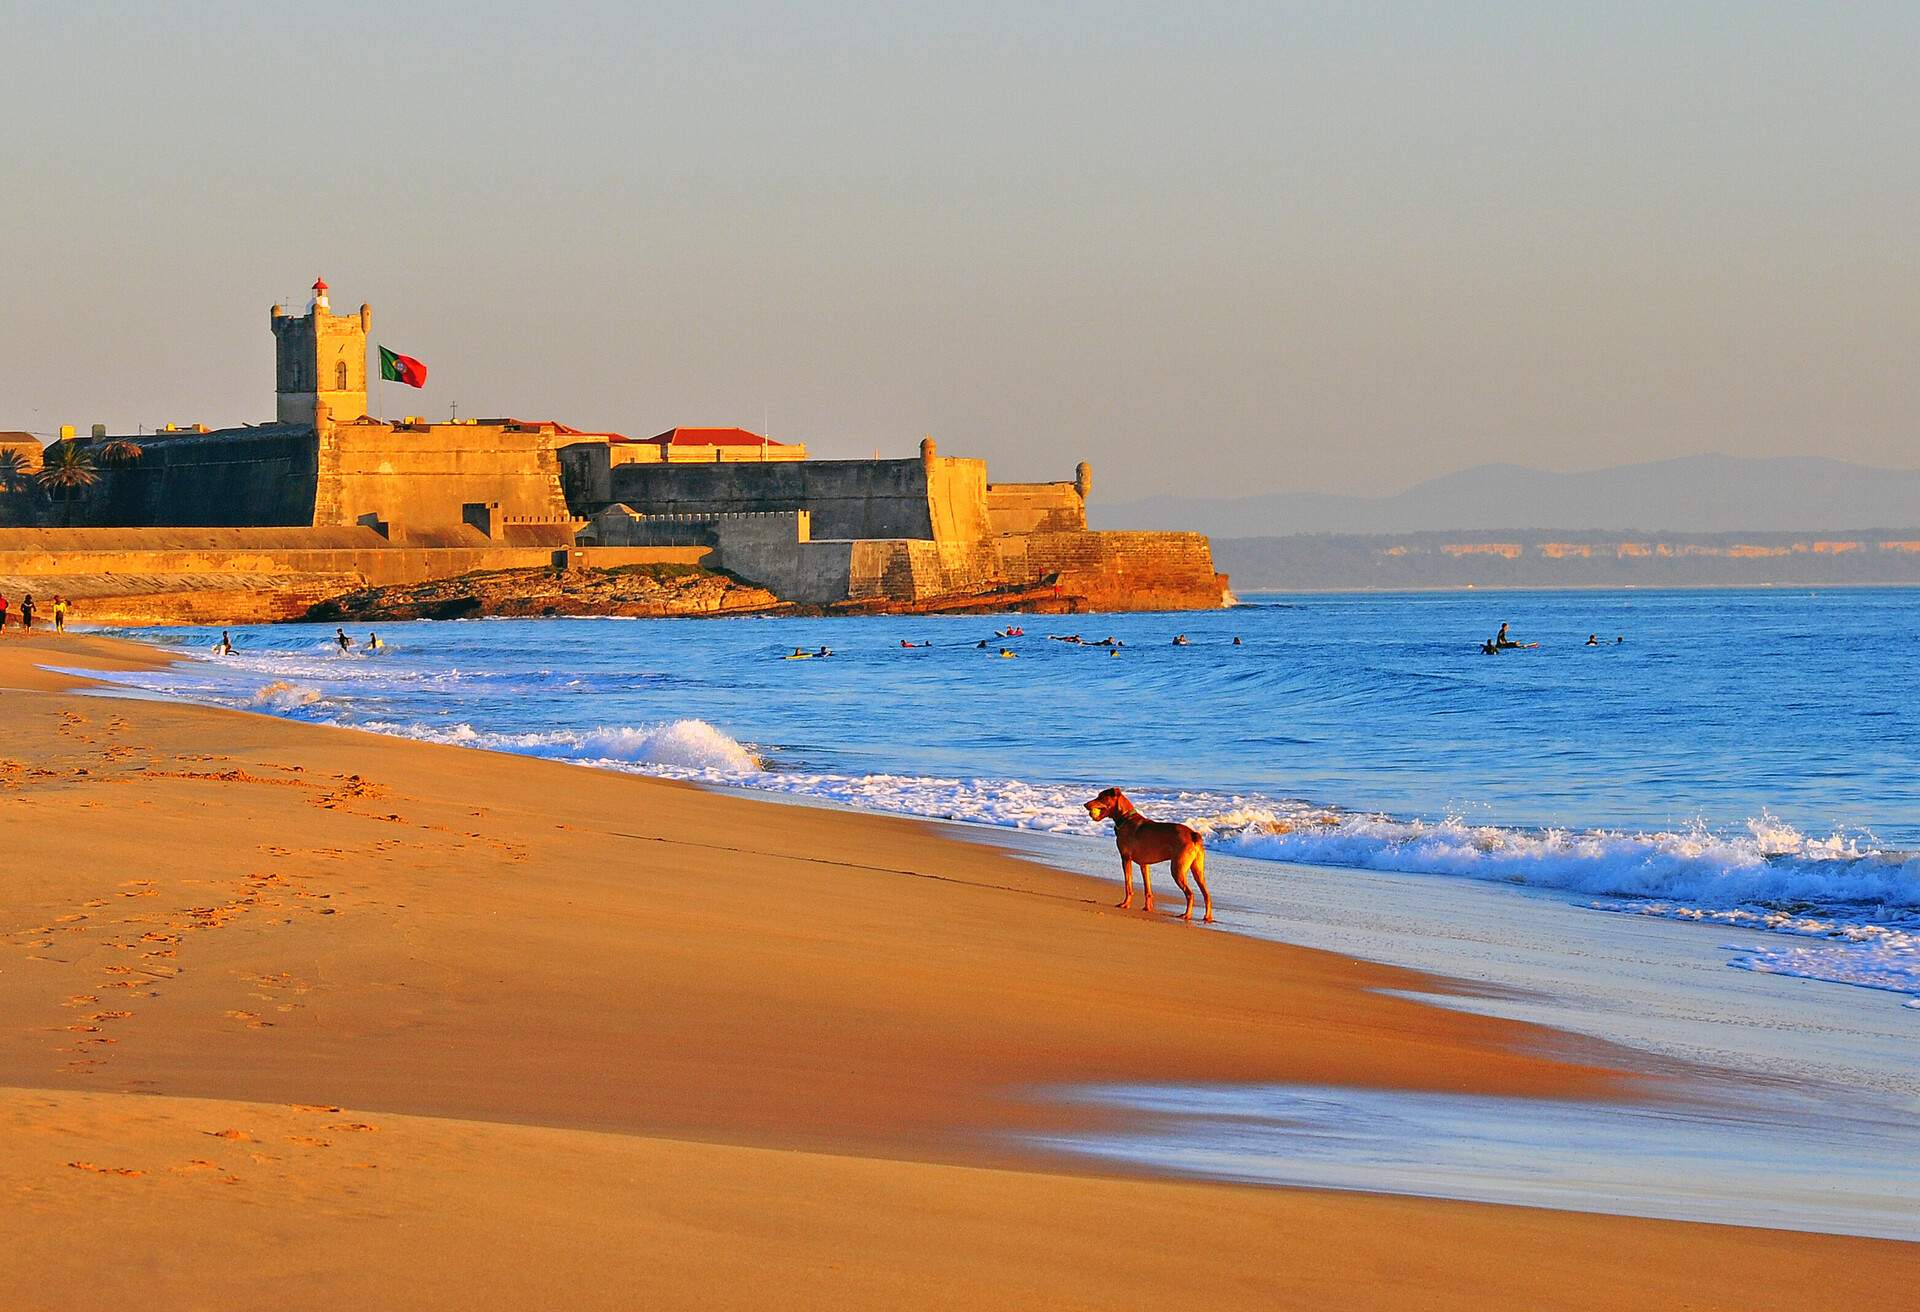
(398, 368)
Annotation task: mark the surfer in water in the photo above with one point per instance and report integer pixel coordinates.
(1593, 640)
(1489, 648)
(340, 636)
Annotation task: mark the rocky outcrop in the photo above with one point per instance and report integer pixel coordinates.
(637, 590)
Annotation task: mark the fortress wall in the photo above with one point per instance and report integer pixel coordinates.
(943, 500)
(1035, 508)
(586, 476)
(415, 478)
(1120, 571)
(847, 498)
(242, 575)
(912, 570)
(957, 499)
(775, 550)
(231, 478)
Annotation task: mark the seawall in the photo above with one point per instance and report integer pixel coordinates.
(254, 575)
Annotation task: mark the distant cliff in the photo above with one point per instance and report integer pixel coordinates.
(1533, 558)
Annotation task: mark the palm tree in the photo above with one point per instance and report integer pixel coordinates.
(13, 471)
(68, 470)
(120, 451)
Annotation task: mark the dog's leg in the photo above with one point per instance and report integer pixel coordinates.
(1178, 865)
(1200, 878)
(1126, 873)
(1146, 883)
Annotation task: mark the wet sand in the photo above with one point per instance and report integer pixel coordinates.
(299, 1016)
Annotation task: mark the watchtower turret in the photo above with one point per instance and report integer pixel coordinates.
(320, 357)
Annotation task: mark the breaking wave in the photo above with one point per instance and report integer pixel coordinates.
(680, 749)
(284, 695)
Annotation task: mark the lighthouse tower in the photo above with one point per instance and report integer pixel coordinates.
(320, 362)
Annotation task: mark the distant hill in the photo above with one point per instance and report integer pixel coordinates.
(1693, 494)
(1529, 558)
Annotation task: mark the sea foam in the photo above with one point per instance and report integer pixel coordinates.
(680, 748)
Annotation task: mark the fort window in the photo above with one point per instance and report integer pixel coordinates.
(340, 377)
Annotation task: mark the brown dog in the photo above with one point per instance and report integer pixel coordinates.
(1145, 842)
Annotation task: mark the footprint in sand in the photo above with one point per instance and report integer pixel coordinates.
(250, 1019)
(80, 1000)
(308, 1141)
(105, 1170)
(355, 1127)
(239, 1136)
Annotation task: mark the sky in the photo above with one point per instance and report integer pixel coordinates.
(1216, 249)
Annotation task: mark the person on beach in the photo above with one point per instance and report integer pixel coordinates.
(3, 612)
(59, 614)
(225, 645)
(26, 612)
(340, 636)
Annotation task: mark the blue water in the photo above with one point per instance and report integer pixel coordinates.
(1748, 757)
(1777, 1160)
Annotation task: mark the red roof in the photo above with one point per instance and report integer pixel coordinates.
(319, 284)
(565, 431)
(711, 437)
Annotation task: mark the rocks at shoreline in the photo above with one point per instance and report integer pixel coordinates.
(634, 590)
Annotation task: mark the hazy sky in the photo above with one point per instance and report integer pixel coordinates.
(1216, 248)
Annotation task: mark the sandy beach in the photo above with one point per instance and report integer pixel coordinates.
(299, 1017)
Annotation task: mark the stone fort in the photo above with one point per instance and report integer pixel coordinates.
(327, 496)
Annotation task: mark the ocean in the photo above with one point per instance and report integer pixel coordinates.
(1748, 759)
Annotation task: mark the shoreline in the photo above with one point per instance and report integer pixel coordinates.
(450, 940)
